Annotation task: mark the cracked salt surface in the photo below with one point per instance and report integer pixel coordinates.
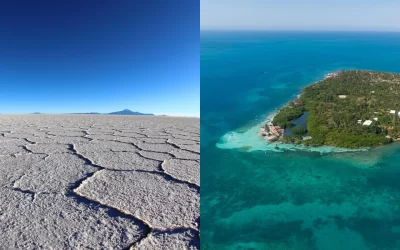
(63, 170)
(160, 202)
(11, 146)
(48, 148)
(99, 182)
(187, 170)
(180, 239)
(186, 155)
(193, 148)
(13, 168)
(100, 146)
(53, 221)
(122, 160)
(155, 155)
(156, 147)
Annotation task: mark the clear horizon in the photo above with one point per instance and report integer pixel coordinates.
(340, 15)
(303, 30)
(80, 57)
(104, 113)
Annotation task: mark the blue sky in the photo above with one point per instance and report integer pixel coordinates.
(363, 15)
(100, 56)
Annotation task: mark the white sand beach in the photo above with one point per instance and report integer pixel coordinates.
(251, 141)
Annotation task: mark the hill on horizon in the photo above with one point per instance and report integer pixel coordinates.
(127, 112)
(122, 112)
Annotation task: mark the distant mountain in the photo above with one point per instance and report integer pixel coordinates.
(127, 112)
(123, 112)
(91, 113)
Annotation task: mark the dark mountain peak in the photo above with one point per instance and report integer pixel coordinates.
(122, 112)
(127, 112)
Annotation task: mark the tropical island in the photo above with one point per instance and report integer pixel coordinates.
(351, 109)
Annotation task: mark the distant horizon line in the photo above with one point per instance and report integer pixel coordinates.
(302, 30)
(97, 113)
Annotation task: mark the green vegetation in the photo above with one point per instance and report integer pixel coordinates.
(287, 114)
(334, 121)
(299, 130)
(291, 139)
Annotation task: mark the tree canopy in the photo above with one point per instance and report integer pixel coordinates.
(339, 105)
(299, 130)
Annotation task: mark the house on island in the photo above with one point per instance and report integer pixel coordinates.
(359, 121)
(367, 123)
(342, 96)
(297, 102)
(307, 137)
(392, 111)
(271, 132)
(375, 118)
(329, 75)
(276, 130)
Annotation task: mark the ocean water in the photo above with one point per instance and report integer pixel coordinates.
(254, 197)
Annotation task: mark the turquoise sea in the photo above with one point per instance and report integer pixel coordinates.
(260, 199)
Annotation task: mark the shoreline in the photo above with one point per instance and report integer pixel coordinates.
(252, 140)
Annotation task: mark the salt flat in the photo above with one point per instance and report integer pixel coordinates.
(99, 182)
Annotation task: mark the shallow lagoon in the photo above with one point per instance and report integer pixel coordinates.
(253, 197)
(301, 121)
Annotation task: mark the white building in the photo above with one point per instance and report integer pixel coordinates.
(359, 121)
(376, 118)
(367, 122)
(393, 111)
(342, 96)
